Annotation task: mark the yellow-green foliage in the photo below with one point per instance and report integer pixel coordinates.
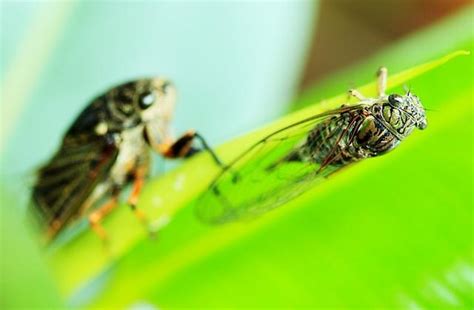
(374, 222)
(395, 230)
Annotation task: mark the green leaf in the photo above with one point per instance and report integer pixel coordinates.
(387, 231)
(187, 244)
(24, 281)
(390, 231)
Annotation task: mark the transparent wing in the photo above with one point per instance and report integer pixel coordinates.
(262, 178)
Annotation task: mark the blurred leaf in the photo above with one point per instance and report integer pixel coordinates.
(153, 266)
(390, 231)
(24, 281)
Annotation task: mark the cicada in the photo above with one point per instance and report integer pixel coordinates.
(286, 163)
(106, 148)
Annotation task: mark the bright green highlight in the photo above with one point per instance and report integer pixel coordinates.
(185, 244)
(388, 231)
(394, 231)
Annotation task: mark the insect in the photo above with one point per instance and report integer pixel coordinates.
(106, 148)
(286, 163)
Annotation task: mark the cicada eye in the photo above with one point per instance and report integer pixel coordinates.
(395, 99)
(146, 100)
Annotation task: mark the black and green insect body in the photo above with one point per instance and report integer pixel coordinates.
(371, 128)
(286, 163)
(107, 147)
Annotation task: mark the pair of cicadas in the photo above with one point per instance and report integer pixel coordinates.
(107, 147)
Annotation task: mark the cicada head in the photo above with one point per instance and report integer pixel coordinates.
(156, 100)
(411, 106)
(143, 101)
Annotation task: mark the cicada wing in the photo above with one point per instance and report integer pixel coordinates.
(265, 177)
(65, 183)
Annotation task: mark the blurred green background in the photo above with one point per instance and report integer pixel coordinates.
(237, 65)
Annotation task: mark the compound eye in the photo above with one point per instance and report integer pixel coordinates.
(146, 100)
(422, 125)
(395, 100)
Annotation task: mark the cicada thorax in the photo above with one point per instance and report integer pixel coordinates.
(121, 107)
(398, 119)
(384, 128)
(375, 135)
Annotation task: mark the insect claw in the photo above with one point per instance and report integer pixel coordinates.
(140, 215)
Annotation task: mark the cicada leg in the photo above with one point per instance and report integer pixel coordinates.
(381, 81)
(182, 147)
(95, 218)
(139, 177)
(355, 93)
(139, 180)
